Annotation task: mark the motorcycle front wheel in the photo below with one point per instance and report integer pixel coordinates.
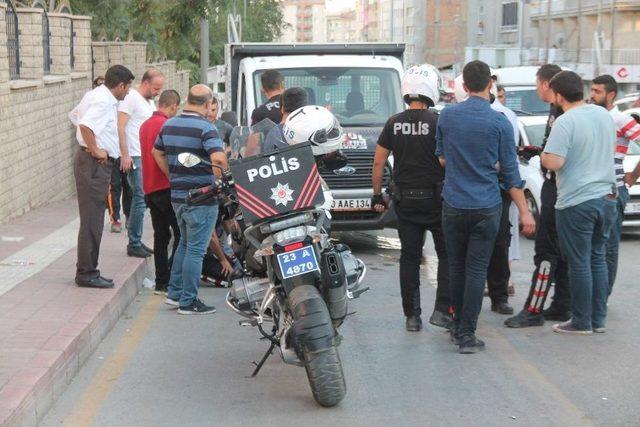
(315, 336)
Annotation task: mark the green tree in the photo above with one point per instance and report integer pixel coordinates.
(171, 29)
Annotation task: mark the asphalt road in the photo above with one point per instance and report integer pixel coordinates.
(157, 368)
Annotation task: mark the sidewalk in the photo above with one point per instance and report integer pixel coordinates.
(48, 325)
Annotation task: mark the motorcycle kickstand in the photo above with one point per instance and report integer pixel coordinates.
(263, 360)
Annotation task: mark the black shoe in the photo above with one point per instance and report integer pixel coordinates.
(138, 252)
(414, 323)
(197, 307)
(453, 335)
(106, 280)
(559, 315)
(97, 282)
(147, 248)
(469, 344)
(524, 319)
(502, 307)
(440, 319)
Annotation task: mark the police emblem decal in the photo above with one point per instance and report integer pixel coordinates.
(281, 194)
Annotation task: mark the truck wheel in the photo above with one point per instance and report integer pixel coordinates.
(314, 335)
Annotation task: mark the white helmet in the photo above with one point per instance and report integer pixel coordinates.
(422, 81)
(461, 94)
(315, 124)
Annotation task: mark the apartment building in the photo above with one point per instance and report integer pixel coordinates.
(589, 36)
(306, 21)
(445, 32)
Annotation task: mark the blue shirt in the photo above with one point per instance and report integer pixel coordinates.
(192, 134)
(586, 137)
(274, 139)
(473, 138)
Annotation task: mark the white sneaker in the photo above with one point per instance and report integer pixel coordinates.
(172, 302)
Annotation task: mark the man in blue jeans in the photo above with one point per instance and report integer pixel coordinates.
(580, 150)
(190, 132)
(475, 144)
(604, 90)
(134, 110)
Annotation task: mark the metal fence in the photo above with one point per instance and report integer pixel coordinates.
(46, 44)
(13, 45)
(72, 58)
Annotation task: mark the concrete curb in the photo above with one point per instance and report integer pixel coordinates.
(28, 396)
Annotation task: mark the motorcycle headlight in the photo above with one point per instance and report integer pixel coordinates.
(290, 235)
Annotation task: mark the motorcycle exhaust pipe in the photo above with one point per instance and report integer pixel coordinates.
(334, 286)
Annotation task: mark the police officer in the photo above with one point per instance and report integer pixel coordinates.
(417, 176)
(272, 87)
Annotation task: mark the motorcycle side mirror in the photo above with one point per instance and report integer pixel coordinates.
(189, 160)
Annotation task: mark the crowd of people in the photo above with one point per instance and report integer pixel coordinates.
(455, 174)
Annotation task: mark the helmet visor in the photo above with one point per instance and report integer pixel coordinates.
(321, 136)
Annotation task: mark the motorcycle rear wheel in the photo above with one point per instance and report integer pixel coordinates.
(323, 365)
(324, 371)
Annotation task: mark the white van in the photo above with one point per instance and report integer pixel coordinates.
(520, 87)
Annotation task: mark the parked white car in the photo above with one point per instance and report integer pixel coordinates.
(632, 211)
(531, 134)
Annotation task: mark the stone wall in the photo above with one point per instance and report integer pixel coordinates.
(133, 55)
(37, 140)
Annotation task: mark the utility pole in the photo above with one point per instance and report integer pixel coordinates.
(546, 60)
(204, 50)
(579, 25)
(613, 30)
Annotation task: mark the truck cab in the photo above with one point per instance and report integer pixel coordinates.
(359, 84)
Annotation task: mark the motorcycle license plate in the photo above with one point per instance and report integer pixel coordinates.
(300, 261)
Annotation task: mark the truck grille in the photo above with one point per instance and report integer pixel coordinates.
(362, 161)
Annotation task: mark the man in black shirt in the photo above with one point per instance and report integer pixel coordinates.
(272, 86)
(547, 245)
(417, 176)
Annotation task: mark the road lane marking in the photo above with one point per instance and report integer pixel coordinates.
(537, 382)
(84, 413)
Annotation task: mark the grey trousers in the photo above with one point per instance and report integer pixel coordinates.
(92, 186)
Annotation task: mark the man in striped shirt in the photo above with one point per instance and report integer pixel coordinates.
(604, 90)
(190, 132)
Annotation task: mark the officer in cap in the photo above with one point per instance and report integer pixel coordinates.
(417, 177)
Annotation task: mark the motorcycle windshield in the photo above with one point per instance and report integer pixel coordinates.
(249, 141)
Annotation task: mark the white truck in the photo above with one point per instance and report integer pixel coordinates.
(359, 83)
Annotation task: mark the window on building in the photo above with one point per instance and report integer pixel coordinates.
(13, 45)
(510, 15)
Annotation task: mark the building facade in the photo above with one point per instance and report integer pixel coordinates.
(306, 21)
(591, 37)
(445, 32)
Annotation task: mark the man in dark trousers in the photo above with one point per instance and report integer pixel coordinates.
(417, 177)
(157, 191)
(97, 135)
(272, 86)
(547, 244)
(472, 139)
(190, 132)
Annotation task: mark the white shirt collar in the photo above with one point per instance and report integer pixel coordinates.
(106, 91)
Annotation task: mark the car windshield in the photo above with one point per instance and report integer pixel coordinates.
(525, 101)
(356, 96)
(535, 134)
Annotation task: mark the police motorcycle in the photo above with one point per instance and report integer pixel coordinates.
(302, 299)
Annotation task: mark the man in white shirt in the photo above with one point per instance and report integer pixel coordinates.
(98, 138)
(134, 110)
